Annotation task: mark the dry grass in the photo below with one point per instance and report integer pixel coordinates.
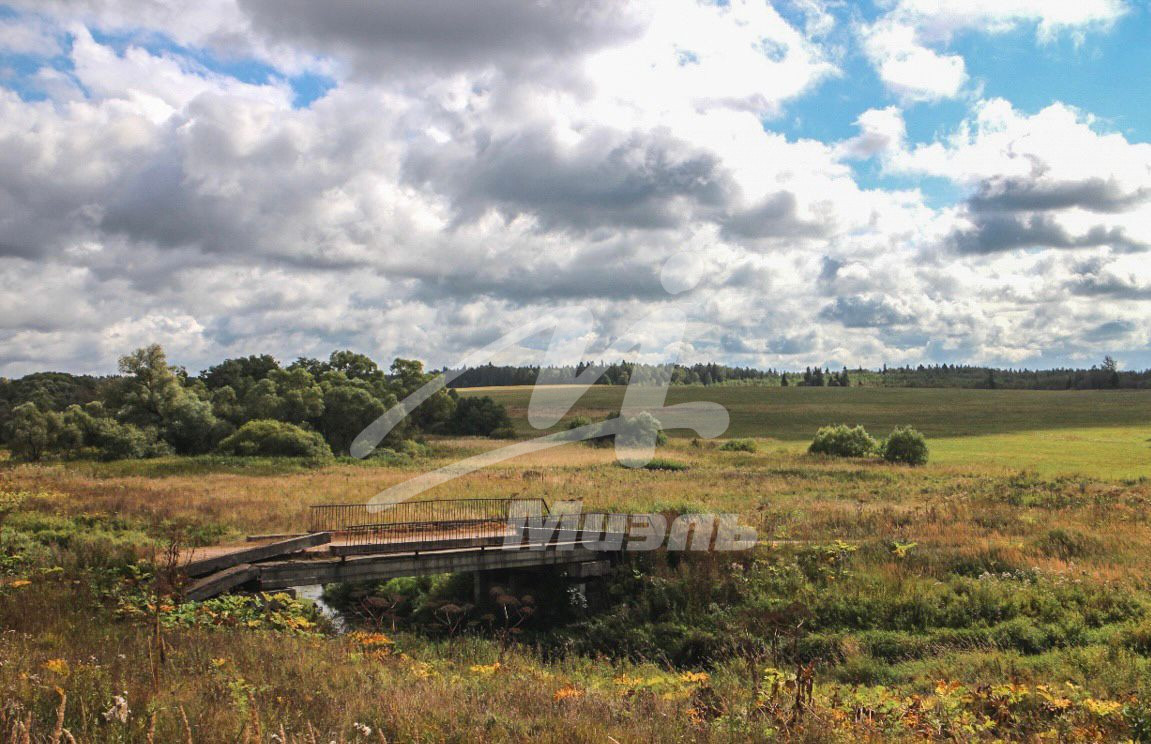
(253, 686)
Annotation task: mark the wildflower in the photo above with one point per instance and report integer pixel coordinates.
(1102, 708)
(371, 640)
(422, 670)
(567, 693)
(695, 677)
(119, 710)
(362, 729)
(57, 666)
(485, 668)
(219, 662)
(20, 584)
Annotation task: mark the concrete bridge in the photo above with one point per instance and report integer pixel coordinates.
(352, 542)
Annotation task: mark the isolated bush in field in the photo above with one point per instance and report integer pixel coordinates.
(842, 440)
(905, 445)
(275, 439)
(663, 464)
(640, 429)
(739, 445)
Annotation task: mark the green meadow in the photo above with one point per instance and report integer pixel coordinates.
(1100, 433)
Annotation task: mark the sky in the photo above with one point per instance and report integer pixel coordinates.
(806, 182)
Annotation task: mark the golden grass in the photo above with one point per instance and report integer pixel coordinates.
(963, 509)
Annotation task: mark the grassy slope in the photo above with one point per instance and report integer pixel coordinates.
(1097, 433)
(795, 413)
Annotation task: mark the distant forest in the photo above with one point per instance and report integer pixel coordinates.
(253, 405)
(1104, 376)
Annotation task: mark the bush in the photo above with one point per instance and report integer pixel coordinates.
(640, 430)
(739, 445)
(905, 445)
(842, 440)
(275, 439)
(664, 464)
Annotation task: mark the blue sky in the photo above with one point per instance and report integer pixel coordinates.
(900, 182)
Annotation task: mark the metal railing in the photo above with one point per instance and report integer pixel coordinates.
(446, 518)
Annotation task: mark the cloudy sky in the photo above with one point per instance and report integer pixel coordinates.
(843, 182)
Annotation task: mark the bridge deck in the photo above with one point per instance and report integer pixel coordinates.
(471, 535)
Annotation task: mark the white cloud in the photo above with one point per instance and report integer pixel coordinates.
(881, 132)
(909, 69)
(31, 37)
(901, 43)
(424, 209)
(939, 19)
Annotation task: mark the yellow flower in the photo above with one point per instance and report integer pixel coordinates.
(219, 662)
(695, 677)
(1102, 708)
(371, 640)
(422, 670)
(567, 693)
(20, 584)
(485, 668)
(57, 666)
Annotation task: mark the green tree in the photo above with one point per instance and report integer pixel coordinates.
(239, 373)
(152, 386)
(191, 427)
(479, 416)
(226, 405)
(31, 432)
(302, 399)
(261, 401)
(347, 411)
(355, 366)
(434, 414)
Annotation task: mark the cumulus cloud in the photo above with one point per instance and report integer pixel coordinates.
(906, 45)
(396, 38)
(939, 19)
(1051, 179)
(470, 170)
(911, 70)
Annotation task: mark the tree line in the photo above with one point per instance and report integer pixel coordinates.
(245, 406)
(1104, 376)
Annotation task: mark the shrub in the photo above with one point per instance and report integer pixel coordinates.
(739, 445)
(905, 445)
(842, 440)
(663, 464)
(275, 439)
(640, 430)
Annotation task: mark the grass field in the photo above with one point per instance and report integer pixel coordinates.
(988, 596)
(1104, 434)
